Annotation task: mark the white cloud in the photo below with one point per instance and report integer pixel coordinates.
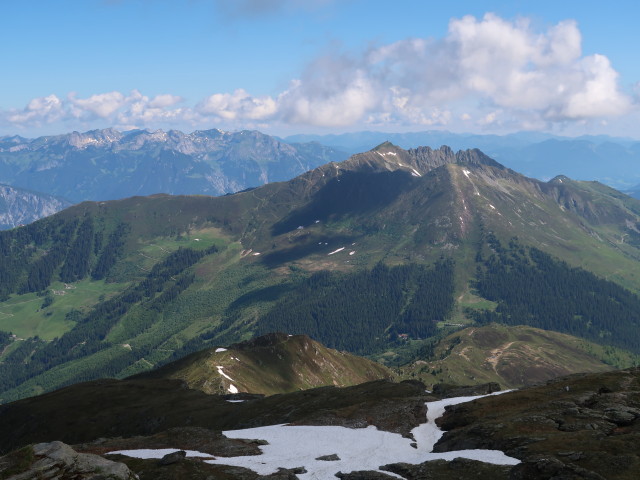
(303, 103)
(505, 70)
(165, 100)
(238, 105)
(38, 111)
(491, 71)
(101, 105)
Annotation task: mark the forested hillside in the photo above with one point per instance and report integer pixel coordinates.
(532, 288)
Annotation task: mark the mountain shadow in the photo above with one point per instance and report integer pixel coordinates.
(347, 194)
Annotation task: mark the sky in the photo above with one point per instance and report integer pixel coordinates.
(320, 66)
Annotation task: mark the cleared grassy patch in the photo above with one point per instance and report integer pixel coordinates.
(24, 316)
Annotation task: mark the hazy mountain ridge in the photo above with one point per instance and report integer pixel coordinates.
(20, 207)
(108, 164)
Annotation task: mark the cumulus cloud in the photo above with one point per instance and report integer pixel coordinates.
(488, 71)
(112, 108)
(38, 111)
(505, 69)
(237, 105)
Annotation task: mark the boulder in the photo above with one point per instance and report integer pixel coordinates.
(59, 460)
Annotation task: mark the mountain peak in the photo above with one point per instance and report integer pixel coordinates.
(416, 161)
(385, 146)
(559, 179)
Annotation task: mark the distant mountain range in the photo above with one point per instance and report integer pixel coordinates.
(610, 160)
(108, 164)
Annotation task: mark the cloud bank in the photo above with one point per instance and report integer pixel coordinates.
(487, 72)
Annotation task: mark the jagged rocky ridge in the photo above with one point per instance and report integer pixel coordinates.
(109, 164)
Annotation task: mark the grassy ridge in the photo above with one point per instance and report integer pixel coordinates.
(514, 357)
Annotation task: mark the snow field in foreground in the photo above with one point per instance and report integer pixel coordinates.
(358, 449)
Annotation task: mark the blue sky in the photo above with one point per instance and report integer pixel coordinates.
(323, 66)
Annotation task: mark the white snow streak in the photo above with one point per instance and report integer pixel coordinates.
(218, 350)
(336, 251)
(221, 372)
(232, 388)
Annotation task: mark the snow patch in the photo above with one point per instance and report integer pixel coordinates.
(218, 350)
(492, 206)
(232, 388)
(358, 449)
(236, 401)
(256, 254)
(336, 251)
(466, 172)
(415, 173)
(352, 252)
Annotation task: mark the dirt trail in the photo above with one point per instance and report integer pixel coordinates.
(496, 355)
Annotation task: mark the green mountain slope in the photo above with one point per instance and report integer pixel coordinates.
(369, 255)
